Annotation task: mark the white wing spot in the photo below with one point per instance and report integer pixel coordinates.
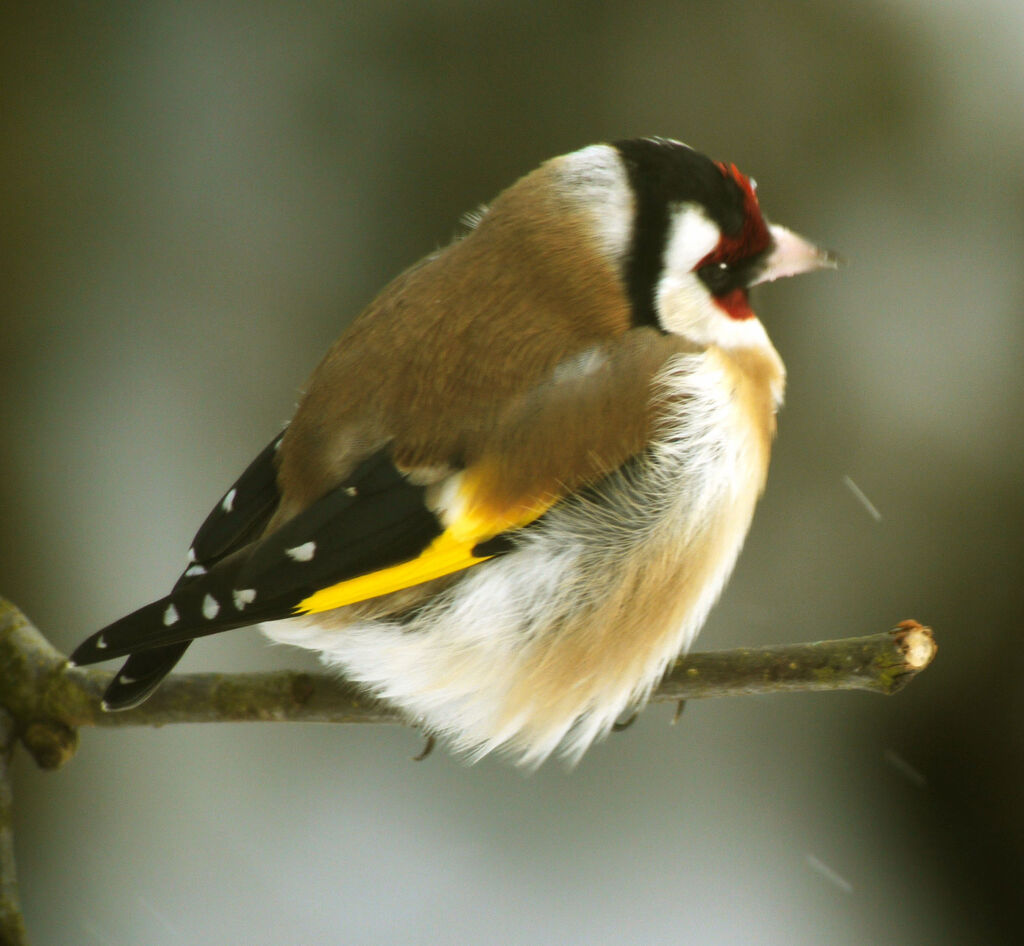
(124, 678)
(302, 553)
(193, 570)
(210, 607)
(351, 491)
(101, 643)
(243, 596)
(191, 555)
(228, 503)
(170, 615)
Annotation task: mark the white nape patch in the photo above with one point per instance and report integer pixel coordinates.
(211, 607)
(242, 597)
(228, 502)
(194, 571)
(302, 553)
(101, 643)
(170, 615)
(596, 179)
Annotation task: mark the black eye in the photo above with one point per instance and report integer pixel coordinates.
(720, 278)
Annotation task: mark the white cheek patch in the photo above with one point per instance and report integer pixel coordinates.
(691, 236)
(685, 308)
(682, 301)
(684, 304)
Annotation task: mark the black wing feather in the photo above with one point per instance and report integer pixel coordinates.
(243, 512)
(240, 516)
(141, 674)
(375, 519)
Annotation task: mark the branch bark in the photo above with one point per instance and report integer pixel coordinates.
(44, 702)
(12, 926)
(50, 701)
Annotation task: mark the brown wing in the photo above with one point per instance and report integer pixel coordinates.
(590, 417)
(434, 361)
(595, 412)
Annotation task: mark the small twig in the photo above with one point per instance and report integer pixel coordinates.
(884, 663)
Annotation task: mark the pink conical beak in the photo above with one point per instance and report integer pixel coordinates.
(793, 255)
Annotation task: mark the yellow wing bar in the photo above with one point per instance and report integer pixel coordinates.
(450, 552)
(444, 556)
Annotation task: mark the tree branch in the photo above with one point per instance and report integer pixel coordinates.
(12, 926)
(50, 701)
(44, 702)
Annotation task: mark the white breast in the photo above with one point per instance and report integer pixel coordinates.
(547, 645)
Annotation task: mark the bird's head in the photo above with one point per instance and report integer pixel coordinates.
(686, 233)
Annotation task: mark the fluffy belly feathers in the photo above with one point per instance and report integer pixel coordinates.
(545, 646)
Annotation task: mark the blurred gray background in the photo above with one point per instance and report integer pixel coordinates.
(198, 196)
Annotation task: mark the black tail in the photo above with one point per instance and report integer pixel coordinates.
(141, 674)
(239, 517)
(208, 605)
(373, 520)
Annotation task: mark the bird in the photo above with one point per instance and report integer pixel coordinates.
(517, 483)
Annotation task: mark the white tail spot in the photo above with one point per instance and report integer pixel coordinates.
(302, 553)
(211, 608)
(170, 615)
(101, 643)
